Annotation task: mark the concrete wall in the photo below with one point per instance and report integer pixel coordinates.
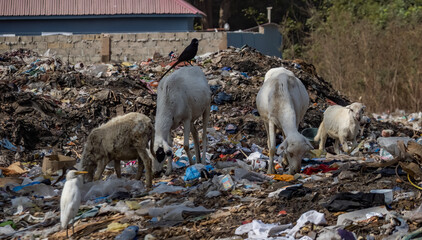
(135, 47)
(268, 40)
(28, 26)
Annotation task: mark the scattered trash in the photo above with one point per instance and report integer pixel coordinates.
(360, 215)
(212, 194)
(320, 168)
(128, 234)
(259, 230)
(312, 216)
(390, 144)
(49, 106)
(7, 144)
(352, 201)
(283, 177)
(224, 182)
(231, 129)
(388, 194)
(196, 171)
(295, 191)
(53, 163)
(13, 170)
(116, 227)
(222, 98)
(167, 189)
(179, 212)
(109, 187)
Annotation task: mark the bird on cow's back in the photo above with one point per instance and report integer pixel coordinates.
(187, 54)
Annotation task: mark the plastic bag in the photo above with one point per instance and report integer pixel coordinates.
(390, 144)
(164, 188)
(112, 185)
(224, 182)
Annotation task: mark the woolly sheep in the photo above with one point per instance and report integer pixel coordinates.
(182, 98)
(282, 102)
(122, 138)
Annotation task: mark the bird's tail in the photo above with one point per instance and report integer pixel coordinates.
(172, 66)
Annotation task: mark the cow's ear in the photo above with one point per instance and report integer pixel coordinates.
(282, 148)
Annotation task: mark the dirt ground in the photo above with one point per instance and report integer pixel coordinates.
(50, 106)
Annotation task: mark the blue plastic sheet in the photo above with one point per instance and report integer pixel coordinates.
(15, 189)
(7, 144)
(191, 173)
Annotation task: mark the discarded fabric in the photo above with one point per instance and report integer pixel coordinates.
(320, 168)
(353, 201)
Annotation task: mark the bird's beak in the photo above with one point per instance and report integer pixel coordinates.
(81, 172)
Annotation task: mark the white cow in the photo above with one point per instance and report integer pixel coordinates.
(282, 102)
(182, 98)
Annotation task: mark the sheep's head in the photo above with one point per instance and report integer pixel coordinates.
(88, 164)
(356, 110)
(294, 147)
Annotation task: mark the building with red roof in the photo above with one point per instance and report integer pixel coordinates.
(44, 17)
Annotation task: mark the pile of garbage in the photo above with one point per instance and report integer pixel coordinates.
(49, 106)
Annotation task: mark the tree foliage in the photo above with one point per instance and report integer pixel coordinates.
(370, 49)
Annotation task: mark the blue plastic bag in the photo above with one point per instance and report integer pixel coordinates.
(191, 173)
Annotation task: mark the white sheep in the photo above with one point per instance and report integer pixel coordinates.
(122, 138)
(282, 102)
(341, 124)
(182, 98)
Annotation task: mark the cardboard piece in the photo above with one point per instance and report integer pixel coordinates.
(14, 169)
(53, 163)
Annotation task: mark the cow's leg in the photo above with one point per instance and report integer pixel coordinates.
(169, 158)
(271, 146)
(195, 142)
(205, 118)
(186, 133)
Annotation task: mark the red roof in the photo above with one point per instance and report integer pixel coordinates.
(94, 7)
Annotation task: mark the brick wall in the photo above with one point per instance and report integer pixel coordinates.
(133, 47)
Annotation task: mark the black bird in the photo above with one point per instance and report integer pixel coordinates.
(187, 54)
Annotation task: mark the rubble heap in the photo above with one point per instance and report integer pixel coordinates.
(48, 108)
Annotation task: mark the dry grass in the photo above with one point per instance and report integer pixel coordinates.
(383, 66)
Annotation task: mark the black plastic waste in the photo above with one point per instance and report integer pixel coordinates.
(222, 98)
(347, 201)
(345, 235)
(293, 192)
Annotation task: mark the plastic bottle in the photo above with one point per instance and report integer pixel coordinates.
(128, 234)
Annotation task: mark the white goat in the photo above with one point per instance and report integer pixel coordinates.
(182, 98)
(342, 124)
(282, 102)
(122, 138)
